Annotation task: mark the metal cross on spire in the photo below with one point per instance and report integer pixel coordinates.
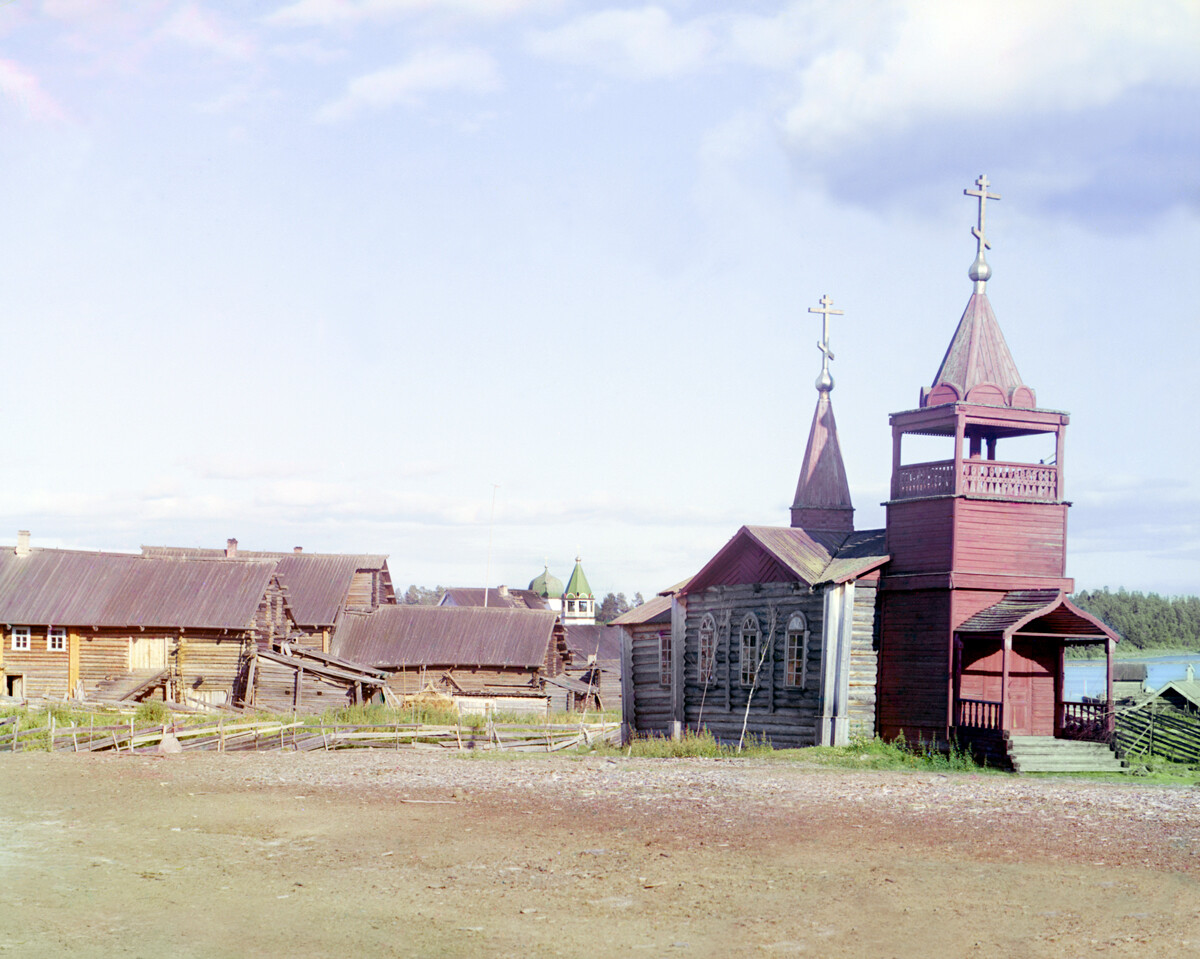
(980, 271)
(825, 381)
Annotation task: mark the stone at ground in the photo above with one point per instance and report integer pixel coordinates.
(315, 855)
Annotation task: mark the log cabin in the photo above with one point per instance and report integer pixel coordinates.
(484, 659)
(319, 586)
(121, 626)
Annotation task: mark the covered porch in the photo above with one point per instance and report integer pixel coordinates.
(1008, 671)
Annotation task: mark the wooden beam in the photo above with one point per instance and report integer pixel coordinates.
(1005, 649)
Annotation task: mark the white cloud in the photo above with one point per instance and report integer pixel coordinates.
(22, 89)
(324, 13)
(639, 44)
(430, 71)
(1037, 87)
(201, 29)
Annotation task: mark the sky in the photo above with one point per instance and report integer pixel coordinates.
(489, 284)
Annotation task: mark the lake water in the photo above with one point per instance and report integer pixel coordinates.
(1085, 677)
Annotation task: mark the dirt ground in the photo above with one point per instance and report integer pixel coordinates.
(374, 853)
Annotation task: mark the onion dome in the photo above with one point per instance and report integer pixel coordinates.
(547, 586)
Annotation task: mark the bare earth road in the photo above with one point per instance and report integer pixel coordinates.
(375, 853)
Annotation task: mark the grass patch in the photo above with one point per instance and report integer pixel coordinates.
(876, 754)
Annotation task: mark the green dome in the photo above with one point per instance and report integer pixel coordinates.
(547, 586)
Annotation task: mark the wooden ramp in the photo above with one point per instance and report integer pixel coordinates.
(132, 685)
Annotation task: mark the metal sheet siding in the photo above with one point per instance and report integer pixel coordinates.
(394, 636)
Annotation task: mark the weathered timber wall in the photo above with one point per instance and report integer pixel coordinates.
(455, 679)
(785, 715)
(211, 661)
(864, 661)
(275, 689)
(651, 699)
(920, 535)
(44, 671)
(104, 654)
(914, 664)
(1002, 537)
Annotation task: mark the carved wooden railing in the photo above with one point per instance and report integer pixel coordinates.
(979, 714)
(1038, 483)
(923, 479)
(1010, 480)
(1091, 722)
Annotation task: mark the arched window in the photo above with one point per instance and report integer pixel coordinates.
(749, 656)
(796, 662)
(708, 650)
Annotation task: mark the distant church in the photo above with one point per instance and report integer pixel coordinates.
(950, 624)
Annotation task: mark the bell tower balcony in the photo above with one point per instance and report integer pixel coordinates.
(1035, 483)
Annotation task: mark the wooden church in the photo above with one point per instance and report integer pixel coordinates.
(950, 625)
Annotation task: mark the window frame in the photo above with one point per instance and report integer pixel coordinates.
(664, 658)
(748, 650)
(56, 639)
(21, 639)
(795, 670)
(706, 652)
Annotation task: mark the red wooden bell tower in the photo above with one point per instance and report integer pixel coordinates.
(974, 614)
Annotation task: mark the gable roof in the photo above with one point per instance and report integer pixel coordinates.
(782, 554)
(80, 588)
(1047, 609)
(393, 636)
(510, 599)
(317, 583)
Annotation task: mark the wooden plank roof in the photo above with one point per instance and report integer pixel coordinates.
(317, 583)
(394, 636)
(766, 554)
(509, 599)
(80, 588)
(1045, 611)
(599, 640)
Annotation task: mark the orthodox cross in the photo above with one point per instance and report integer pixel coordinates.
(825, 381)
(984, 196)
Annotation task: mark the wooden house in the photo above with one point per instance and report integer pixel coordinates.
(121, 626)
(592, 678)
(482, 658)
(319, 586)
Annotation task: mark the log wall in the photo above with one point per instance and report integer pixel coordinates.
(41, 671)
(914, 664)
(786, 716)
(651, 699)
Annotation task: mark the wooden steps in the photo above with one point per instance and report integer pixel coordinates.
(1045, 754)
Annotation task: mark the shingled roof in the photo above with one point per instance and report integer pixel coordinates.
(1044, 611)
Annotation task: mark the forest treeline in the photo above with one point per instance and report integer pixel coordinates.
(1146, 620)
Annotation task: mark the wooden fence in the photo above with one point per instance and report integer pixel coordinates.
(1151, 729)
(234, 736)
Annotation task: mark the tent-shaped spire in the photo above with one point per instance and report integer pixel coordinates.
(822, 494)
(978, 367)
(577, 585)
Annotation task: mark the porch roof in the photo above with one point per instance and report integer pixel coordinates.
(1046, 612)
